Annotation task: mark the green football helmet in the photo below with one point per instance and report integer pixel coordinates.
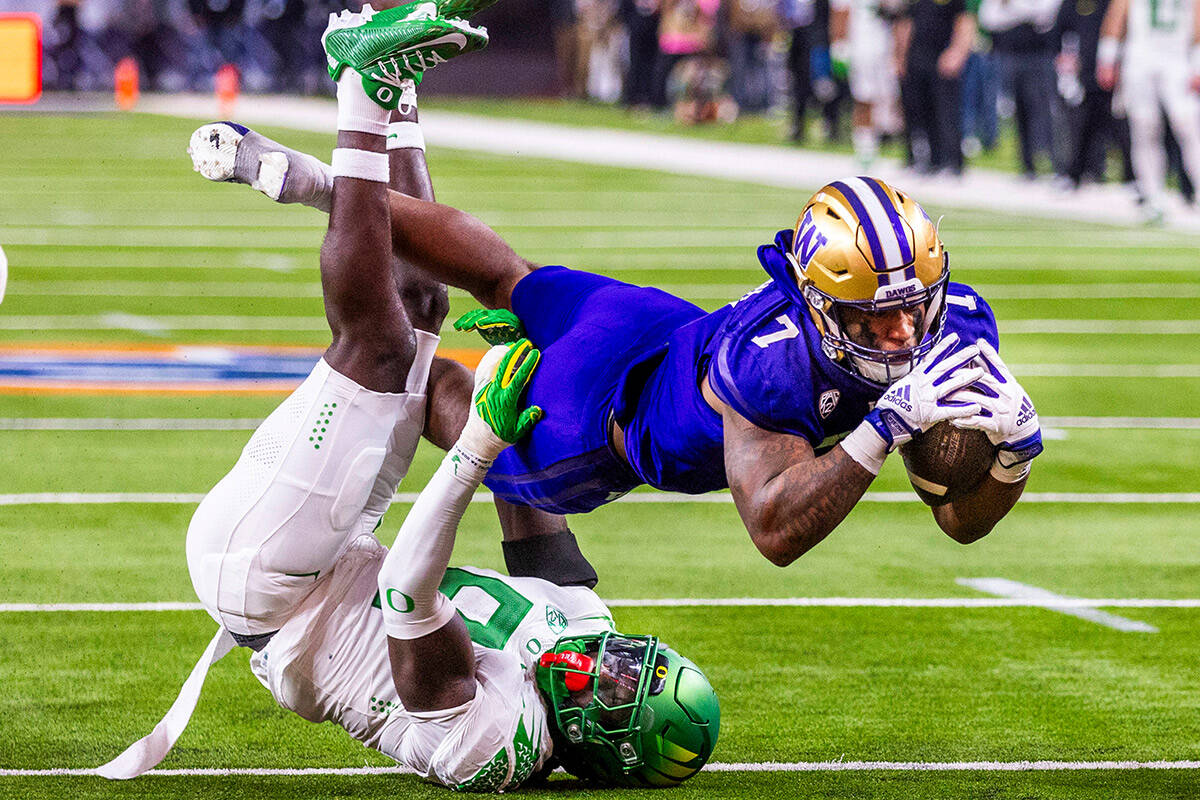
(627, 710)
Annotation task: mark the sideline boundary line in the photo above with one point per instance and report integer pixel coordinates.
(718, 602)
(760, 766)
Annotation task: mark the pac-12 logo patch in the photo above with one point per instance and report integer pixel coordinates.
(828, 402)
(555, 619)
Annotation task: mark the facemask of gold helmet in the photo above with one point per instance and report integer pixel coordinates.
(861, 247)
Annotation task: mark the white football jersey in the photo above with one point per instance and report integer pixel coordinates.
(329, 662)
(1159, 29)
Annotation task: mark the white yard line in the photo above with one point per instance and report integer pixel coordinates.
(216, 322)
(1115, 292)
(714, 602)
(249, 424)
(644, 498)
(1004, 587)
(753, 766)
(641, 498)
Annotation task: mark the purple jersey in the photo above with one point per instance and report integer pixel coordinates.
(762, 356)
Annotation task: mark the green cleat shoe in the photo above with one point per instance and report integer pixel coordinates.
(388, 47)
(462, 9)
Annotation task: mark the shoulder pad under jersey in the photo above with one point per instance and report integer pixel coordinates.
(761, 365)
(969, 315)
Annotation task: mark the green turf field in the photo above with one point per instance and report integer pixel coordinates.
(106, 228)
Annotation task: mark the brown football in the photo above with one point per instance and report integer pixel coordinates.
(946, 463)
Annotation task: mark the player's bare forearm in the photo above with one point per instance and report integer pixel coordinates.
(789, 498)
(970, 519)
(1115, 17)
(456, 248)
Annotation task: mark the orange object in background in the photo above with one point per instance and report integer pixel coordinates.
(125, 83)
(228, 86)
(20, 58)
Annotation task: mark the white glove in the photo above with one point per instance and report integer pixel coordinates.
(916, 403)
(1006, 415)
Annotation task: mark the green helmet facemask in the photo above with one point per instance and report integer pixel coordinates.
(628, 710)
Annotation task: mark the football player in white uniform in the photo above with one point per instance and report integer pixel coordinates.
(1152, 64)
(860, 42)
(472, 679)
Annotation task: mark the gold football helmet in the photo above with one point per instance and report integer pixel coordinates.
(862, 244)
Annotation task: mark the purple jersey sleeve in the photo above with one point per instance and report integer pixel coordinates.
(969, 315)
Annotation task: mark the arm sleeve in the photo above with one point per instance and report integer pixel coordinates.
(410, 575)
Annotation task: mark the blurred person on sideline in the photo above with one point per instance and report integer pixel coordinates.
(860, 38)
(932, 40)
(687, 28)
(641, 18)
(752, 27)
(1095, 127)
(1144, 52)
(1023, 45)
(800, 17)
(980, 90)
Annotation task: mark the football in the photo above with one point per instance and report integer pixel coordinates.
(946, 463)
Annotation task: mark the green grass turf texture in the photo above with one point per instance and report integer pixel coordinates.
(102, 214)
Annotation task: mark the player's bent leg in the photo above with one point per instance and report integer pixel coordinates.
(226, 151)
(271, 530)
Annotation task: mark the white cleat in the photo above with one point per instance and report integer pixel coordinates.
(214, 149)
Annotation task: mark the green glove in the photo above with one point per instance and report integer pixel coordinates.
(497, 418)
(495, 325)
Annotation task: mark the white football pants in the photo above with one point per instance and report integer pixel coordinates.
(1151, 84)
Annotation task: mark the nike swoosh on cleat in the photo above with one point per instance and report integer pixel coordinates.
(450, 38)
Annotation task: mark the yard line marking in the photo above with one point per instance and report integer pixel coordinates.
(215, 322)
(1124, 327)
(648, 498)
(1053, 602)
(249, 424)
(706, 291)
(715, 602)
(135, 322)
(125, 424)
(1148, 423)
(759, 766)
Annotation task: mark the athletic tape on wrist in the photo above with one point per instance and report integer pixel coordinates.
(401, 135)
(866, 447)
(1108, 51)
(361, 164)
(1014, 474)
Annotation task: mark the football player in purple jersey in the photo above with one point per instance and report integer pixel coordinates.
(791, 396)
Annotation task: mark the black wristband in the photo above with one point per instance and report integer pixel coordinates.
(554, 557)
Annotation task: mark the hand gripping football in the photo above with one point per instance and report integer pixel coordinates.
(946, 463)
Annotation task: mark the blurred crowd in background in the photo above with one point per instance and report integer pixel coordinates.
(939, 76)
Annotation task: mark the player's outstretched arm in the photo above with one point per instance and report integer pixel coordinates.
(789, 498)
(432, 660)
